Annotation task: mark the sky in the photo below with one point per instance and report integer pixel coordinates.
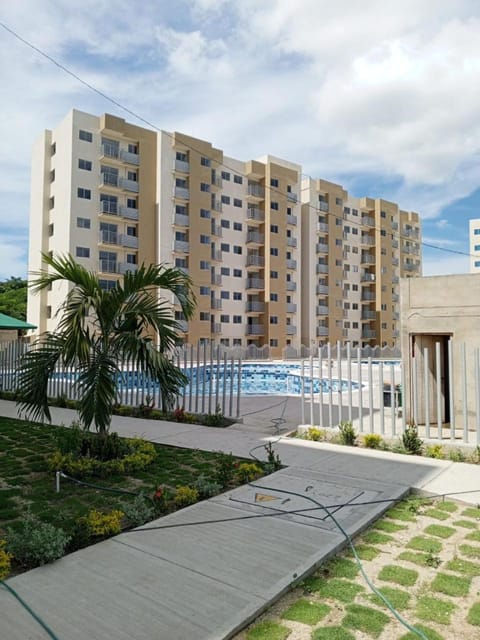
(380, 96)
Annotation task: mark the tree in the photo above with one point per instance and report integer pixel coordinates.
(13, 298)
(100, 330)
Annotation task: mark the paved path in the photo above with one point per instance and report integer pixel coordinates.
(205, 581)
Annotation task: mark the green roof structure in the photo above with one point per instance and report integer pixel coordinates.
(7, 322)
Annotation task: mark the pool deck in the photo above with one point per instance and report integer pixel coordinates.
(206, 581)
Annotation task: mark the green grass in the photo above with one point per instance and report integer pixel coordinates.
(268, 630)
(434, 610)
(446, 505)
(455, 586)
(306, 611)
(463, 566)
(332, 633)
(341, 568)
(334, 588)
(388, 526)
(474, 614)
(420, 559)
(440, 531)
(474, 536)
(365, 619)
(364, 552)
(471, 512)
(399, 575)
(430, 634)
(398, 598)
(376, 537)
(422, 543)
(438, 514)
(466, 524)
(402, 514)
(469, 550)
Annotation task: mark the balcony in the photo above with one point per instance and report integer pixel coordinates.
(395, 262)
(292, 197)
(182, 325)
(322, 289)
(323, 206)
(129, 212)
(291, 286)
(395, 226)
(109, 150)
(253, 237)
(109, 180)
(254, 260)
(255, 283)
(217, 181)
(291, 307)
(395, 279)
(291, 242)
(182, 166)
(255, 191)
(181, 246)
(254, 306)
(410, 267)
(216, 255)
(215, 327)
(109, 207)
(366, 258)
(322, 268)
(411, 233)
(123, 267)
(368, 221)
(129, 157)
(216, 303)
(108, 266)
(367, 314)
(216, 230)
(394, 243)
(216, 205)
(367, 277)
(129, 185)
(254, 330)
(396, 315)
(322, 331)
(181, 221)
(291, 330)
(396, 333)
(395, 297)
(367, 239)
(108, 237)
(321, 310)
(292, 220)
(131, 242)
(321, 247)
(367, 296)
(183, 193)
(255, 214)
(322, 227)
(216, 279)
(291, 264)
(368, 334)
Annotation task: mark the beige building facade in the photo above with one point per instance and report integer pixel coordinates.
(275, 260)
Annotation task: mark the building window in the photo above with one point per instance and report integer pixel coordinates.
(354, 325)
(476, 247)
(133, 148)
(204, 315)
(274, 228)
(225, 224)
(225, 318)
(182, 263)
(50, 230)
(107, 285)
(204, 239)
(237, 319)
(274, 182)
(205, 162)
(237, 273)
(48, 312)
(51, 202)
(86, 194)
(476, 232)
(83, 223)
(52, 175)
(225, 199)
(237, 226)
(53, 148)
(273, 251)
(132, 230)
(273, 319)
(204, 265)
(182, 156)
(225, 271)
(274, 206)
(383, 214)
(274, 297)
(274, 275)
(237, 202)
(225, 175)
(204, 291)
(237, 249)
(477, 263)
(225, 247)
(82, 252)
(273, 342)
(237, 295)
(132, 204)
(131, 258)
(338, 201)
(238, 179)
(225, 295)
(204, 213)
(87, 136)
(204, 187)
(383, 232)
(86, 165)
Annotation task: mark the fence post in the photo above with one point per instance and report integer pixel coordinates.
(451, 396)
(439, 389)
(360, 390)
(464, 388)
(311, 391)
(427, 393)
(320, 388)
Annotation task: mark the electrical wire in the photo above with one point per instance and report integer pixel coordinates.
(272, 189)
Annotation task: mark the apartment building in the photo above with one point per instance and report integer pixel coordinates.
(354, 251)
(269, 267)
(474, 236)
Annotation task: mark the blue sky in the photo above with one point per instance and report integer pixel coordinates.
(379, 96)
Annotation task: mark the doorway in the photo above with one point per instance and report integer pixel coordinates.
(429, 377)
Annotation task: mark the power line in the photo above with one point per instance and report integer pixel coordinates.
(190, 147)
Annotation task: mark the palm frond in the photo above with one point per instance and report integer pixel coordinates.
(97, 385)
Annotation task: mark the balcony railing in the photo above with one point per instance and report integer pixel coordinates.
(181, 220)
(322, 310)
(368, 240)
(255, 237)
(129, 157)
(109, 180)
(410, 267)
(217, 181)
(322, 268)
(368, 334)
(291, 264)
(108, 237)
(291, 307)
(216, 205)
(395, 279)
(254, 306)
(322, 331)
(216, 303)
(254, 330)
(395, 262)
(323, 206)
(216, 230)
(129, 212)
(255, 214)
(215, 327)
(395, 226)
(291, 286)
(368, 221)
(182, 166)
(129, 185)
(367, 259)
(367, 295)
(181, 246)
(255, 283)
(216, 255)
(109, 207)
(322, 227)
(292, 197)
(256, 190)
(182, 192)
(291, 242)
(367, 314)
(321, 247)
(216, 279)
(395, 297)
(292, 220)
(255, 261)
(291, 330)
(130, 242)
(182, 325)
(322, 289)
(367, 277)
(123, 267)
(110, 150)
(108, 266)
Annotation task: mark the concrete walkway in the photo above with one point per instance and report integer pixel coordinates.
(207, 580)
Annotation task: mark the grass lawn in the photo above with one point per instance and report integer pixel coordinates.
(27, 485)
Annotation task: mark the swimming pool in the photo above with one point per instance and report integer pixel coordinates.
(264, 379)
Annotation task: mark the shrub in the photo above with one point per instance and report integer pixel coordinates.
(70, 440)
(435, 451)
(372, 441)
(162, 498)
(214, 419)
(103, 524)
(412, 443)
(456, 455)
(185, 496)
(225, 469)
(315, 434)
(5, 560)
(273, 459)
(35, 543)
(348, 435)
(248, 471)
(206, 488)
(139, 511)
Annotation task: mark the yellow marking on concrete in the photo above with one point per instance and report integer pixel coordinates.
(263, 497)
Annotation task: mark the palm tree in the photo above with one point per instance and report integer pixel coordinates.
(100, 330)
